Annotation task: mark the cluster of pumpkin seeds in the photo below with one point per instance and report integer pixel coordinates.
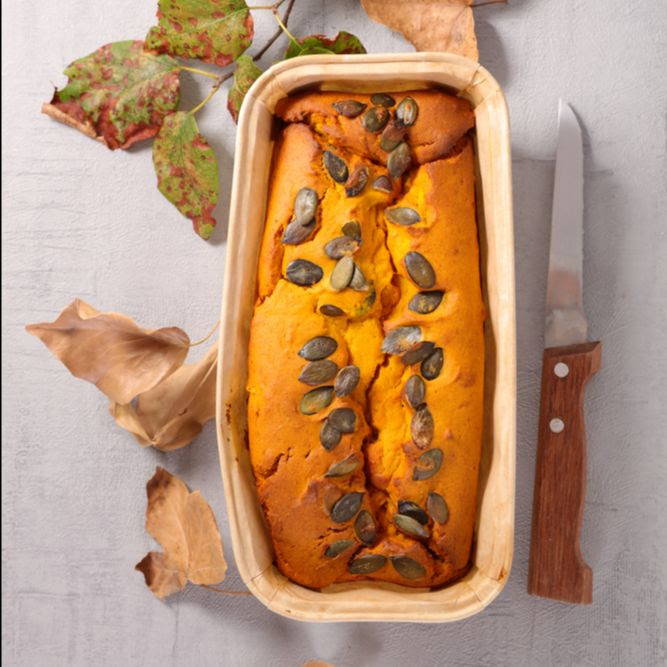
(346, 273)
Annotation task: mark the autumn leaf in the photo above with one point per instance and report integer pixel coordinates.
(184, 525)
(119, 94)
(172, 414)
(245, 74)
(111, 351)
(187, 170)
(343, 42)
(430, 25)
(215, 31)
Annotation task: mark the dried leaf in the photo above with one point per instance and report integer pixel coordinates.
(430, 25)
(187, 170)
(183, 523)
(119, 94)
(343, 42)
(111, 351)
(171, 414)
(215, 31)
(244, 76)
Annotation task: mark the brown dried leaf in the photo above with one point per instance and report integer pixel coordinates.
(430, 25)
(183, 523)
(111, 351)
(172, 414)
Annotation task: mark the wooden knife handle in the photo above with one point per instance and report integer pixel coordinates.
(556, 568)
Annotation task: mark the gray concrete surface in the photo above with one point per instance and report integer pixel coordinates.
(81, 221)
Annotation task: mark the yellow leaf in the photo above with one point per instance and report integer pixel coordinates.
(183, 523)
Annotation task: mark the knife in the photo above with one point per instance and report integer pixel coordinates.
(556, 568)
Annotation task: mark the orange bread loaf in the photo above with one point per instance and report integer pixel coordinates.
(366, 357)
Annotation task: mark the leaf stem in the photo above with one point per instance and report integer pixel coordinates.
(277, 33)
(206, 100)
(283, 27)
(207, 336)
(488, 2)
(196, 70)
(224, 591)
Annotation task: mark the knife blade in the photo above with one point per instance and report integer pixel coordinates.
(556, 567)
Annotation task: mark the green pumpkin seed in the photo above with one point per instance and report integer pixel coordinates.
(329, 436)
(402, 215)
(315, 400)
(382, 100)
(419, 269)
(382, 184)
(318, 372)
(352, 229)
(358, 282)
(364, 528)
(357, 181)
(367, 564)
(318, 348)
(401, 340)
(392, 135)
(406, 524)
(340, 247)
(345, 467)
(432, 365)
(347, 380)
(335, 166)
(296, 233)
(375, 119)
(425, 302)
(349, 108)
(412, 510)
(418, 355)
(337, 548)
(343, 419)
(437, 508)
(345, 508)
(399, 160)
(428, 464)
(305, 205)
(407, 111)
(415, 391)
(330, 310)
(303, 273)
(407, 567)
(342, 274)
(422, 427)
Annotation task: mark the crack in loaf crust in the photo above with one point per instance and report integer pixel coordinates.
(287, 456)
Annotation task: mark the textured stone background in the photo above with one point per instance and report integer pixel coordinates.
(81, 221)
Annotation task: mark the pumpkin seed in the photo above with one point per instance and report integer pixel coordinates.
(358, 282)
(407, 111)
(382, 184)
(364, 528)
(318, 348)
(401, 340)
(335, 166)
(366, 564)
(415, 391)
(418, 354)
(347, 380)
(349, 108)
(407, 567)
(425, 302)
(343, 419)
(315, 400)
(341, 274)
(422, 427)
(345, 467)
(318, 372)
(337, 548)
(399, 160)
(357, 181)
(341, 246)
(406, 524)
(296, 233)
(345, 508)
(402, 215)
(375, 119)
(304, 273)
(392, 135)
(437, 508)
(330, 310)
(432, 365)
(383, 100)
(352, 229)
(428, 464)
(329, 436)
(420, 269)
(412, 510)
(305, 205)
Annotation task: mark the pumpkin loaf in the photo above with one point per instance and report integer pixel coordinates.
(366, 351)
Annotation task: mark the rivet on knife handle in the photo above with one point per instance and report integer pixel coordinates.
(556, 568)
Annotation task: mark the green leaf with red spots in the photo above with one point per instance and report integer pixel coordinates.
(215, 31)
(187, 170)
(119, 94)
(245, 74)
(343, 42)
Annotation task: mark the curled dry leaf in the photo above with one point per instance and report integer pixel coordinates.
(171, 414)
(184, 525)
(430, 25)
(245, 74)
(108, 349)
